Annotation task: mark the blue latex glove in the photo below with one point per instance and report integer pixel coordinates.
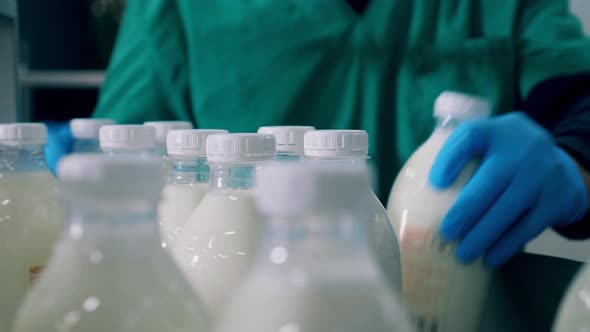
(59, 143)
(524, 184)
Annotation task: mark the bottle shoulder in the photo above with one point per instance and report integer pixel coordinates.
(107, 293)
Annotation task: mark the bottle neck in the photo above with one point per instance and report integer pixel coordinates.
(86, 145)
(444, 127)
(288, 157)
(450, 123)
(229, 176)
(129, 152)
(319, 238)
(341, 228)
(22, 158)
(104, 226)
(161, 148)
(354, 161)
(185, 170)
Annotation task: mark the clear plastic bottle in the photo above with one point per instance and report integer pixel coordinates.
(351, 148)
(289, 141)
(136, 140)
(109, 271)
(217, 244)
(31, 217)
(314, 270)
(574, 311)
(85, 133)
(162, 128)
(188, 180)
(441, 293)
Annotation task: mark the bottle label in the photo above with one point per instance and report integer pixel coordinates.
(427, 274)
(34, 274)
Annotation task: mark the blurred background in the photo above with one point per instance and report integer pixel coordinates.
(65, 46)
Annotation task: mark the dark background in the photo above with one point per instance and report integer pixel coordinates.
(68, 35)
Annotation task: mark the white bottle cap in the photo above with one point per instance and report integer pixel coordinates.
(336, 143)
(23, 134)
(240, 147)
(132, 137)
(88, 128)
(450, 104)
(101, 176)
(163, 127)
(290, 190)
(189, 142)
(289, 138)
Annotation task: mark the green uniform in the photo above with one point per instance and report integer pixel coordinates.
(242, 64)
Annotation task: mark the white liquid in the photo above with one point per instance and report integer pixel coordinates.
(217, 245)
(344, 294)
(124, 286)
(442, 294)
(574, 312)
(177, 204)
(30, 223)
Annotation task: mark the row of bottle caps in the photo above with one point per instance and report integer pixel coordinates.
(183, 141)
(289, 139)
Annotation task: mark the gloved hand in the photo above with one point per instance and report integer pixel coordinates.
(59, 143)
(524, 184)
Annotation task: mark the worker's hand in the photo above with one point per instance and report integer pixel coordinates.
(59, 143)
(524, 184)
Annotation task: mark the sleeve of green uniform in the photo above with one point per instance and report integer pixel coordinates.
(551, 43)
(146, 79)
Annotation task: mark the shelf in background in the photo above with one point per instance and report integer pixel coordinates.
(81, 79)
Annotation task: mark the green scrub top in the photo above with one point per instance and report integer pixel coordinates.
(238, 65)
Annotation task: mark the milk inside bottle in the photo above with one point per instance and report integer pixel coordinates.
(108, 271)
(441, 293)
(351, 147)
(217, 244)
(135, 140)
(188, 180)
(162, 128)
(289, 141)
(315, 270)
(574, 311)
(30, 215)
(85, 133)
